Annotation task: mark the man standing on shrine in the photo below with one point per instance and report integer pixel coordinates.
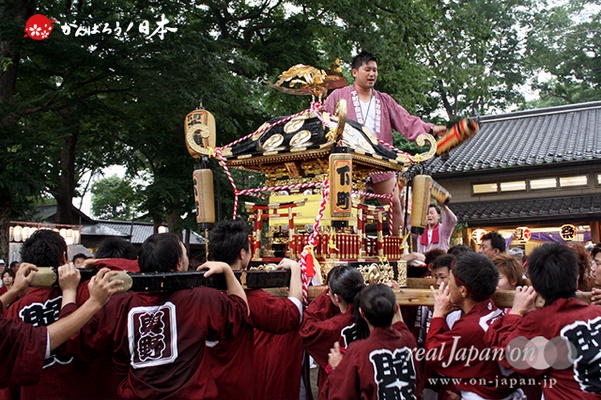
(380, 113)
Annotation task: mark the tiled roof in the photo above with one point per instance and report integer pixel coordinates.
(101, 230)
(141, 231)
(562, 134)
(529, 211)
(47, 213)
(74, 249)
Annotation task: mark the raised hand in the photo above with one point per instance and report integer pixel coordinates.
(442, 301)
(24, 276)
(214, 267)
(524, 299)
(68, 277)
(102, 288)
(335, 355)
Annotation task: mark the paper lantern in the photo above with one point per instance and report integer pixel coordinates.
(17, 233)
(420, 202)
(25, 233)
(203, 197)
(477, 235)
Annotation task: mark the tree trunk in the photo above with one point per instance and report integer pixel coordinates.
(64, 192)
(5, 210)
(20, 10)
(157, 220)
(175, 222)
(8, 74)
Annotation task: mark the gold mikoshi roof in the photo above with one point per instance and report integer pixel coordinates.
(300, 148)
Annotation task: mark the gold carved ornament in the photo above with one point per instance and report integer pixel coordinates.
(419, 158)
(307, 80)
(376, 273)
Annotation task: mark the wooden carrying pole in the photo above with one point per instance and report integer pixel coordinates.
(425, 283)
(424, 297)
(273, 282)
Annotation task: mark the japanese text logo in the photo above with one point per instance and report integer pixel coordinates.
(38, 27)
(44, 314)
(152, 335)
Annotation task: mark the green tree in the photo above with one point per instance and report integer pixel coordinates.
(18, 182)
(474, 56)
(55, 102)
(114, 198)
(564, 41)
(392, 30)
(456, 56)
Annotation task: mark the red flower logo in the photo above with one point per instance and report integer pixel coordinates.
(38, 27)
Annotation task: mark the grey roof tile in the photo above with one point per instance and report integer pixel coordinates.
(101, 230)
(142, 230)
(562, 134)
(526, 211)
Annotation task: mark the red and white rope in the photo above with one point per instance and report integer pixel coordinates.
(391, 147)
(317, 107)
(391, 211)
(312, 240)
(285, 187)
(372, 195)
(229, 176)
(324, 199)
(253, 194)
(235, 142)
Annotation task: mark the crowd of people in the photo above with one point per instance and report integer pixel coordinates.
(196, 343)
(246, 344)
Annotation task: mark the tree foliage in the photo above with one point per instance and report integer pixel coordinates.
(76, 103)
(474, 56)
(114, 198)
(565, 42)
